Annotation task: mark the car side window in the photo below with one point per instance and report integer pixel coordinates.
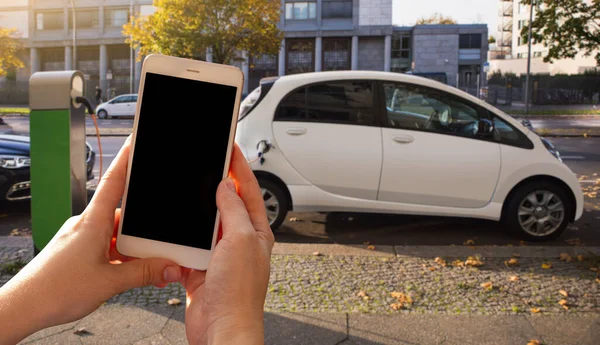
(345, 102)
(508, 135)
(134, 98)
(293, 106)
(420, 108)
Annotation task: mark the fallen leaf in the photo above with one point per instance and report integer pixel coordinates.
(594, 269)
(81, 331)
(432, 268)
(547, 265)
(371, 247)
(487, 285)
(441, 262)
(350, 219)
(565, 307)
(516, 255)
(563, 292)
(511, 262)
(598, 280)
(562, 302)
(573, 241)
(317, 254)
(585, 135)
(294, 219)
(366, 243)
(535, 310)
(174, 301)
(534, 342)
(396, 306)
(402, 297)
(513, 278)
(458, 263)
(474, 262)
(469, 243)
(361, 293)
(580, 258)
(522, 243)
(564, 256)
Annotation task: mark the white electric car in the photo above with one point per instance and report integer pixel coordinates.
(364, 141)
(123, 105)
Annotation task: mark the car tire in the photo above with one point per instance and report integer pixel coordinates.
(102, 114)
(276, 202)
(538, 211)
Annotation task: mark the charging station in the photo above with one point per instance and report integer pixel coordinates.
(58, 152)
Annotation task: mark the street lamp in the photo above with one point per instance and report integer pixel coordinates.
(528, 57)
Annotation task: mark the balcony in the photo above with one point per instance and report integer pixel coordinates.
(506, 26)
(506, 11)
(506, 41)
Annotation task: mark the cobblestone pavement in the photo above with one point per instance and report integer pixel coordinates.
(420, 285)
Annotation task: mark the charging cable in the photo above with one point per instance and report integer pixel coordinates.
(262, 147)
(90, 110)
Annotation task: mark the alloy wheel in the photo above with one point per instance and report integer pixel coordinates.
(271, 204)
(541, 213)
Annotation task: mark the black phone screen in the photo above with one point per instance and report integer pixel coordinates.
(178, 160)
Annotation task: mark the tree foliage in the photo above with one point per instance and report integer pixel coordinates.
(566, 28)
(186, 28)
(10, 47)
(436, 18)
(492, 39)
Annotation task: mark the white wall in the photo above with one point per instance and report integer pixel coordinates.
(13, 3)
(15, 20)
(375, 12)
(565, 66)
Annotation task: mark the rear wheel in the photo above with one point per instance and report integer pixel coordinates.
(538, 211)
(276, 202)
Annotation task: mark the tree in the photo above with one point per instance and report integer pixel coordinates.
(186, 28)
(10, 47)
(436, 18)
(492, 39)
(566, 28)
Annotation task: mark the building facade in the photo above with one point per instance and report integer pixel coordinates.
(319, 35)
(512, 50)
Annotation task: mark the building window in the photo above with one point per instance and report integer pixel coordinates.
(400, 53)
(49, 21)
(521, 55)
(337, 9)
(301, 10)
(84, 19)
(336, 54)
(300, 55)
(469, 41)
(53, 59)
(537, 54)
(522, 23)
(116, 17)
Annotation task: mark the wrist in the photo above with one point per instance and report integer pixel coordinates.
(237, 329)
(19, 310)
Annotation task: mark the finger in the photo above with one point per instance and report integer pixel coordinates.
(144, 272)
(111, 187)
(249, 190)
(234, 217)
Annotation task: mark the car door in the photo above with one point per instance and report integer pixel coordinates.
(432, 153)
(329, 133)
(130, 105)
(117, 106)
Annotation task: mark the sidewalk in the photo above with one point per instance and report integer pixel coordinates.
(342, 294)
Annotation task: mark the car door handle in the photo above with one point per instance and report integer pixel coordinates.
(296, 131)
(404, 139)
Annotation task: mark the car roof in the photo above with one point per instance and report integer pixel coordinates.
(296, 80)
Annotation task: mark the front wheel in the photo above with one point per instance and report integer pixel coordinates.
(276, 202)
(538, 211)
(102, 114)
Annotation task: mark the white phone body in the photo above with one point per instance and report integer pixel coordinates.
(139, 247)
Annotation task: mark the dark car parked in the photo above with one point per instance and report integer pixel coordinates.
(15, 183)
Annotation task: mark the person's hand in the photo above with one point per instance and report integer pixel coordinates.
(225, 303)
(77, 271)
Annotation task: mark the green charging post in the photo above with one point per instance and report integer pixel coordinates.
(58, 168)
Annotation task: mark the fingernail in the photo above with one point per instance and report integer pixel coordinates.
(171, 274)
(230, 184)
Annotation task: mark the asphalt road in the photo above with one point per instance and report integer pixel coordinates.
(580, 154)
(555, 123)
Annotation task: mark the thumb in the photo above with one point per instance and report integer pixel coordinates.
(144, 272)
(234, 216)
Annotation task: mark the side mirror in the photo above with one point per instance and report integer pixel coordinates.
(485, 128)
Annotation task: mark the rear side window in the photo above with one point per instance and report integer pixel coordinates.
(344, 102)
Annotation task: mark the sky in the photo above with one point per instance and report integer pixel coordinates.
(406, 12)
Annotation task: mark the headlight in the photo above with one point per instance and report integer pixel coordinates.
(14, 162)
(550, 147)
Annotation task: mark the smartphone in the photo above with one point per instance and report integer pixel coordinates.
(183, 134)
